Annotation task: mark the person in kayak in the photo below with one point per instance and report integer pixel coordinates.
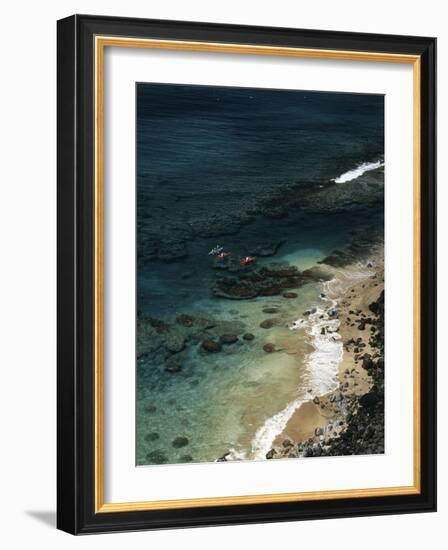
(248, 260)
(222, 255)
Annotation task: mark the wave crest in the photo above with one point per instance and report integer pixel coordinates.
(358, 171)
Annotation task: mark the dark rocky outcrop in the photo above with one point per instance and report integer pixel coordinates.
(167, 344)
(265, 249)
(360, 247)
(160, 326)
(252, 281)
(364, 430)
(317, 273)
(164, 235)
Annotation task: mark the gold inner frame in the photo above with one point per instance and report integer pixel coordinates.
(101, 42)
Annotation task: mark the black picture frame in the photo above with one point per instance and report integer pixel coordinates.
(76, 264)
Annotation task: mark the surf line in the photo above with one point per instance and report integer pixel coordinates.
(322, 364)
(358, 171)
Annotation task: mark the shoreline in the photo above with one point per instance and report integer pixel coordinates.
(325, 396)
(323, 418)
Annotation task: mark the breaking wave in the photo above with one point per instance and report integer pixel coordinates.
(358, 171)
(322, 365)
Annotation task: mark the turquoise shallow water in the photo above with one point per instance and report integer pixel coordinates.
(220, 401)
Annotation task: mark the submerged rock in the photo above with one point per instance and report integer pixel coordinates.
(290, 295)
(172, 365)
(171, 251)
(359, 247)
(211, 346)
(270, 310)
(269, 348)
(228, 338)
(268, 323)
(157, 457)
(235, 292)
(180, 442)
(174, 342)
(186, 458)
(152, 436)
(317, 274)
(250, 281)
(185, 320)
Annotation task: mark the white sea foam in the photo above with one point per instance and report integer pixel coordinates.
(299, 323)
(234, 454)
(273, 426)
(345, 279)
(323, 361)
(358, 171)
(322, 365)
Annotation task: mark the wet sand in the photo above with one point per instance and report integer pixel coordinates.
(323, 414)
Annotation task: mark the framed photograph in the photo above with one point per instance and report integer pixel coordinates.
(246, 274)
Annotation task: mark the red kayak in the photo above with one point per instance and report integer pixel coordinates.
(222, 255)
(248, 260)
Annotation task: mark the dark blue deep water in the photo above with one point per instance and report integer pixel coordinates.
(220, 140)
(206, 153)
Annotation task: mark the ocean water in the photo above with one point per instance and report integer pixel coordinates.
(206, 157)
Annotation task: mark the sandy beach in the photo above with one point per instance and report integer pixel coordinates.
(324, 417)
